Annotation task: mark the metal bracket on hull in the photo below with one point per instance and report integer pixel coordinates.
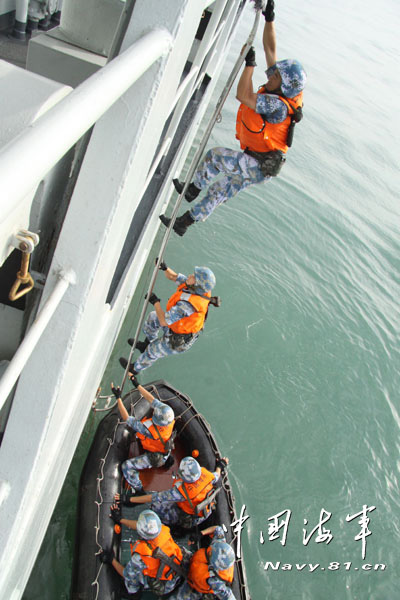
(25, 241)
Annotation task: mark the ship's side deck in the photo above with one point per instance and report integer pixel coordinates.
(90, 293)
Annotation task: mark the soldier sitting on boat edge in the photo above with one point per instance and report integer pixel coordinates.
(156, 434)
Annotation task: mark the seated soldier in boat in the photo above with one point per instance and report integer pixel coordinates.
(155, 434)
(182, 321)
(144, 571)
(191, 499)
(210, 570)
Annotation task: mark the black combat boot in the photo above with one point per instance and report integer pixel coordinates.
(141, 346)
(191, 193)
(124, 363)
(181, 224)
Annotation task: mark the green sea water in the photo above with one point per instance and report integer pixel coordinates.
(298, 372)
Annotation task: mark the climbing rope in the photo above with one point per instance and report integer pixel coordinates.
(193, 166)
(216, 117)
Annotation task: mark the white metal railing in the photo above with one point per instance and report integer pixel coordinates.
(215, 37)
(167, 141)
(29, 342)
(162, 152)
(66, 108)
(39, 147)
(192, 73)
(202, 51)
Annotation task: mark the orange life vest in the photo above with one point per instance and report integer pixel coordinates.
(261, 136)
(199, 573)
(155, 444)
(146, 548)
(194, 322)
(196, 491)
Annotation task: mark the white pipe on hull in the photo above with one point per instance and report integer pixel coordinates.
(37, 149)
(29, 342)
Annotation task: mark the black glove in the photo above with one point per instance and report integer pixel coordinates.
(162, 266)
(116, 391)
(250, 59)
(115, 515)
(268, 12)
(124, 498)
(153, 299)
(133, 380)
(221, 463)
(106, 557)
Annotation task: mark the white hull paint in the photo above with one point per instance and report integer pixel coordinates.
(59, 382)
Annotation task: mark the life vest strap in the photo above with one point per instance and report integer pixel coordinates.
(169, 444)
(295, 117)
(185, 493)
(214, 300)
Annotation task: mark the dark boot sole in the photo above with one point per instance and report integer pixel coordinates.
(124, 363)
(165, 220)
(191, 193)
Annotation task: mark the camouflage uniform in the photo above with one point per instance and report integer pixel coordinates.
(135, 580)
(165, 505)
(160, 347)
(237, 169)
(221, 590)
(147, 460)
(148, 526)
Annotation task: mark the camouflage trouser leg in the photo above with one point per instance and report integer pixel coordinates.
(167, 511)
(238, 170)
(152, 326)
(158, 347)
(131, 467)
(153, 352)
(171, 514)
(185, 592)
(37, 9)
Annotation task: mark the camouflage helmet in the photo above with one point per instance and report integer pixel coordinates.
(189, 469)
(148, 525)
(204, 278)
(163, 415)
(222, 556)
(293, 76)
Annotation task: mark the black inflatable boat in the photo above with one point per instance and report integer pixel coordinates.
(101, 480)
